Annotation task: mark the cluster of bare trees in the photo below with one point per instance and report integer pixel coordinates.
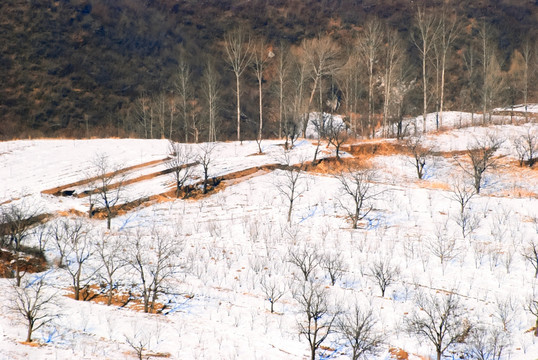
(318, 318)
(97, 263)
(91, 257)
(367, 78)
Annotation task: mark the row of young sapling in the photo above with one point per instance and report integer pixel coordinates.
(77, 247)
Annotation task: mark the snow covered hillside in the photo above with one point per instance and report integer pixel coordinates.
(232, 256)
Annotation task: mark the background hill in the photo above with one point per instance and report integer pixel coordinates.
(77, 67)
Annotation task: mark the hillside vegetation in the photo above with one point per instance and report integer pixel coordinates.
(81, 68)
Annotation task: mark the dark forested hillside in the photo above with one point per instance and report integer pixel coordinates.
(102, 67)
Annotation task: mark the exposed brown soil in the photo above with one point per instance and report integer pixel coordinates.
(31, 344)
(399, 354)
(333, 166)
(371, 149)
(28, 263)
(59, 190)
(192, 192)
(96, 294)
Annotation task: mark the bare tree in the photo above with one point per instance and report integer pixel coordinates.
(184, 89)
(530, 253)
(486, 343)
(369, 50)
(211, 95)
(506, 308)
(337, 133)
(426, 30)
(109, 250)
(180, 164)
(318, 322)
(159, 108)
(393, 55)
(442, 245)
(74, 241)
(34, 302)
(142, 113)
(292, 131)
(384, 273)
(237, 45)
(107, 186)
(205, 159)
(438, 320)
(492, 78)
(527, 147)
(260, 55)
(469, 94)
(140, 342)
(41, 234)
(299, 107)
(349, 84)
(449, 30)
(481, 155)
(468, 222)
(321, 55)
(528, 54)
(16, 222)
(358, 330)
(291, 184)
(307, 259)
(532, 307)
(462, 192)
(273, 289)
(334, 264)
(153, 257)
(283, 68)
(357, 184)
(420, 153)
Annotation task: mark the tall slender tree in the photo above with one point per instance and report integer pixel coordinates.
(184, 90)
(426, 29)
(260, 55)
(282, 72)
(528, 52)
(449, 30)
(238, 44)
(369, 50)
(211, 95)
(393, 59)
(321, 55)
(492, 76)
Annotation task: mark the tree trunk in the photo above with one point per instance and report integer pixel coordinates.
(261, 115)
(281, 104)
(109, 300)
(29, 333)
(370, 97)
(18, 276)
(146, 301)
(186, 124)
(425, 90)
(442, 90)
(238, 99)
(76, 284)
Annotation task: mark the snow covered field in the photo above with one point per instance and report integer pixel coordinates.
(234, 240)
